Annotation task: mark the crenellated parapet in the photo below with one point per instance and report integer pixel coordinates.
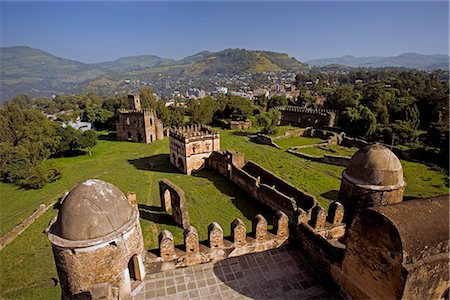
(193, 132)
(329, 224)
(322, 112)
(217, 247)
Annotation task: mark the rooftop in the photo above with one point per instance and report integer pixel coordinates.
(281, 273)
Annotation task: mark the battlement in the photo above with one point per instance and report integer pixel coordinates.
(216, 248)
(134, 111)
(321, 112)
(193, 131)
(329, 225)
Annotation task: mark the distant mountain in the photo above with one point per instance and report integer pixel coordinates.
(406, 60)
(229, 62)
(129, 63)
(36, 72)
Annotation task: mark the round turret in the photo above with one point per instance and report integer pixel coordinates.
(374, 176)
(97, 243)
(93, 209)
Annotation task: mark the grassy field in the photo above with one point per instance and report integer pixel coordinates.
(297, 141)
(27, 265)
(329, 149)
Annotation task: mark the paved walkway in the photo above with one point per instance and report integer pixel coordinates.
(275, 274)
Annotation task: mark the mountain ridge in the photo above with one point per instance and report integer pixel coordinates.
(412, 60)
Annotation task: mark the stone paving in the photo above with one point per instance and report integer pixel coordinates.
(276, 274)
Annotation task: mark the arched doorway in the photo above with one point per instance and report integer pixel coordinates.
(167, 200)
(130, 136)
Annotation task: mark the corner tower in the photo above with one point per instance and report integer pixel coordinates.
(373, 177)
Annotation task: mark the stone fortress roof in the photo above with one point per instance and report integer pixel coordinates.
(91, 210)
(421, 224)
(375, 165)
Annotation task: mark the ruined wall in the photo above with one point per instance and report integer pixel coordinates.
(172, 198)
(81, 269)
(247, 124)
(302, 117)
(16, 231)
(266, 140)
(334, 160)
(302, 199)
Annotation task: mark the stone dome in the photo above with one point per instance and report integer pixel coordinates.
(91, 210)
(375, 165)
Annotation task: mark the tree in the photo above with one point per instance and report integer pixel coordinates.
(359, 121)
(269, 120)
(87, 140)
(276, 101)
(202, 111)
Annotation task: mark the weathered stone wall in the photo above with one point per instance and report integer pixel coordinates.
(217, 247)
(355, 197)
(16, 231)
(302, 117)
(247, 124)
(139, 126)
(301, 198)
(172, 198)
(81, 269)
(399, 251)
(190, 146)
(266, 140)
(334, 160)
(245, 181)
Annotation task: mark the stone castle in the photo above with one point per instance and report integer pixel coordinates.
(190, 146)
(369, 244)
(137, 125)
(306, 117)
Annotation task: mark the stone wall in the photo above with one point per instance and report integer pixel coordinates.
(172, 198)
(217, 247)
(265, 140)
(139, 126)
(303, 117)
(247, 124)
(326, 158)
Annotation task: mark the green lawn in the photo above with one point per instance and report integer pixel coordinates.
(27, 264)
(287, 143)
(330, 150)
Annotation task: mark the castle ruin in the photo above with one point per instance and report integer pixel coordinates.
(190, 146)
(137, 125)
(306, 117)
(371, 243)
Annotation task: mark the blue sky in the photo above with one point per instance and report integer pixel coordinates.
(106, 30)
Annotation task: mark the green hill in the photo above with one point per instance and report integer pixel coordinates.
(129, 63)
(36, 72)
(229, 62)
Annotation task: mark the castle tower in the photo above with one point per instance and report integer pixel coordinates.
(189, 147)
(97, 243)
(134, 102)
(373, 177)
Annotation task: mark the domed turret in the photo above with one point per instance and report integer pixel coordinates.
(97, 243)
(91, 210)
(373, 177)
